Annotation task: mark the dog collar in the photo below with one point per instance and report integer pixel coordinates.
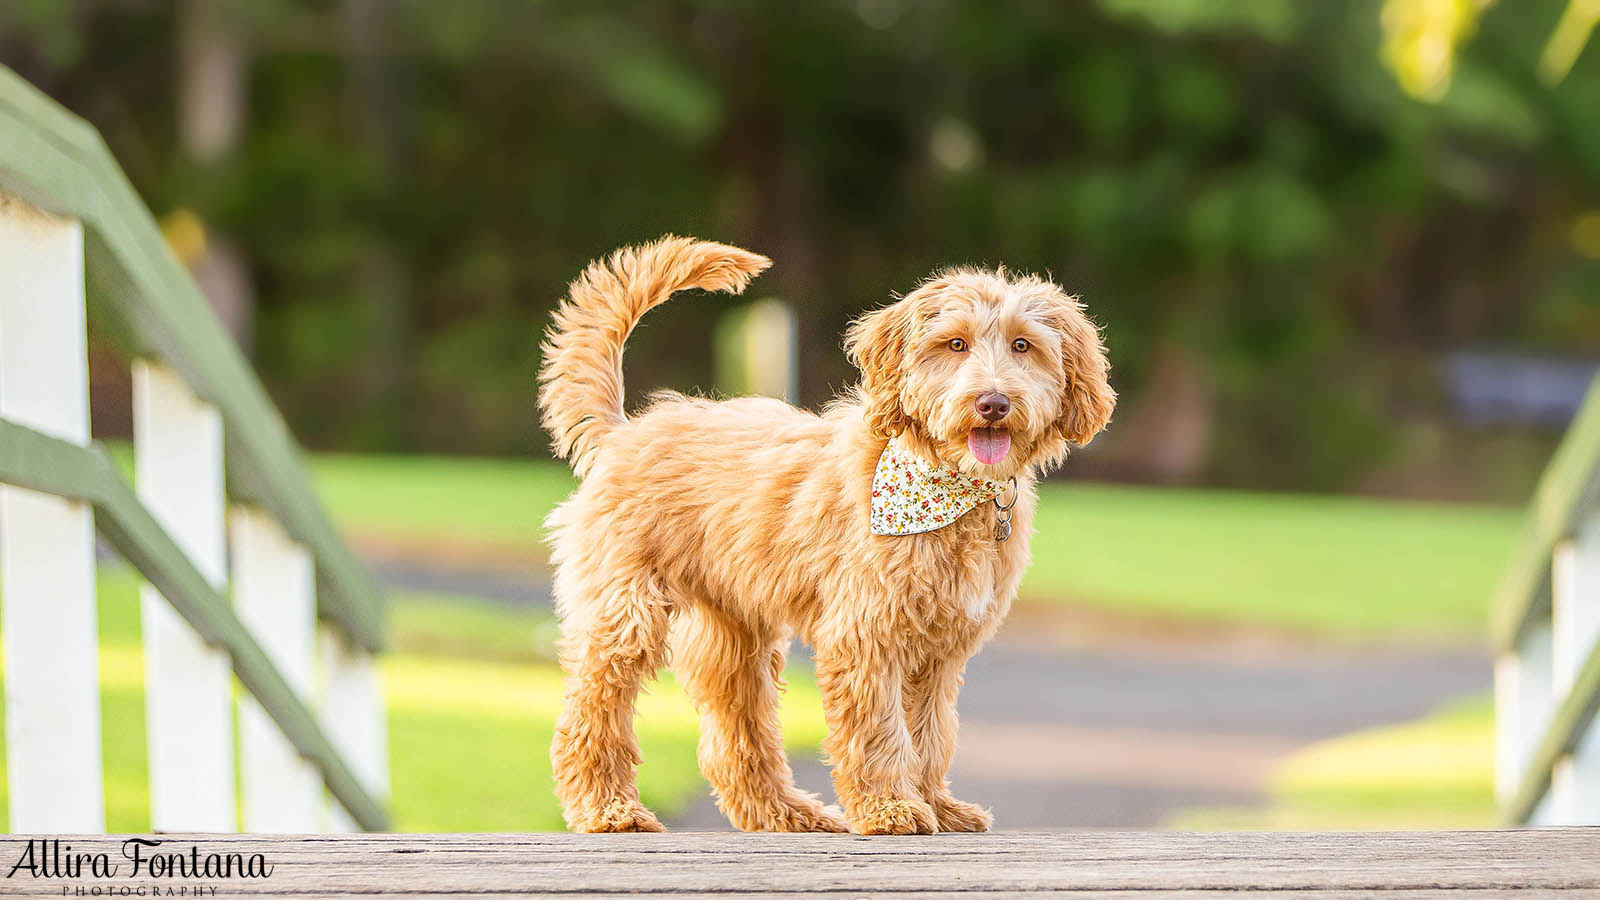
(911, 495)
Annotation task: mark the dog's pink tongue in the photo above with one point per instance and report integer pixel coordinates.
(989, 445)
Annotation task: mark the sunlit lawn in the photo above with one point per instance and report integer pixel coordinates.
(1433, 773)
(1346, 567)
(471, 700)
(1342, 566)
(425, 498)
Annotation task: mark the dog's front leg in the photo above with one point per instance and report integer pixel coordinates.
(931, 714)
(874, 759)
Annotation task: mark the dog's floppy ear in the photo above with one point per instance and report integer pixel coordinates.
(1089, 399)
(876, 344)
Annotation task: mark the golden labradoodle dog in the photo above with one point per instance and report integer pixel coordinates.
(889, 533)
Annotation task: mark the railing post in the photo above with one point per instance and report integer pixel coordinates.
(188, 685)
(274, 592)
(52, 670)
(1575, 622)
(354, 716)
(1575, 782)
(1523, 703)
(1508, 762)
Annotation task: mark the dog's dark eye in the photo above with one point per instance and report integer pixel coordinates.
(1020, 345)
(958, 345)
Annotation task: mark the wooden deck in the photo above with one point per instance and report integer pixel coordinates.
(1091, 864)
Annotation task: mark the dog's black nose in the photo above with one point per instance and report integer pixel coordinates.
(993, 406)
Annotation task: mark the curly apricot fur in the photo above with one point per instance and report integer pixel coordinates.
(726, 528)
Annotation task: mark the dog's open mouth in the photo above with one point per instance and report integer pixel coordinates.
(989, 445)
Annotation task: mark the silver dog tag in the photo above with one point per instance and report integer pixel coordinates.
(1002, 516)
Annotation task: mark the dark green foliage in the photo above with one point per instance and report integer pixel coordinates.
(1242, 183)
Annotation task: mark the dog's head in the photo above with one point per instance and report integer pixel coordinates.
(989, 372)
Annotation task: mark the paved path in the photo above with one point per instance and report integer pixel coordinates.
(1123, 732)
(1115, 737)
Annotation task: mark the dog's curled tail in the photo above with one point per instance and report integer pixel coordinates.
(580, 377)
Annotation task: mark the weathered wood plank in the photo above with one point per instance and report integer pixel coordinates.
(1413, 864)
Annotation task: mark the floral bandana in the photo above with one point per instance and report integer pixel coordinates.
(911, 495)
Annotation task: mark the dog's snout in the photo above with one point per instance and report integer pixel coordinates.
(994, 406)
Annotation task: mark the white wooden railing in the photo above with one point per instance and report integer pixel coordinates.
(222, 508)
(1546, 633)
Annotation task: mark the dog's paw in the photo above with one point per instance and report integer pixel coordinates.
(954, 815)
(618, 816)
(813, 817)
(892, 815)
(798, 812)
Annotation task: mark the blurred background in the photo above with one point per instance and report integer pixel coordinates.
(1346, 257)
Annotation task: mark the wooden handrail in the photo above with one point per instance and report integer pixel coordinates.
(43, 463)
(1569, 487)
(1525, 621)
(1570, 721)
(144, 298)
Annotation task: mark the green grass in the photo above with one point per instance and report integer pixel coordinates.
(1334, 566)
(469, 742)
(426, 498)
(469, 628)
(472, 697)
(1433, 773)
(1345, 567)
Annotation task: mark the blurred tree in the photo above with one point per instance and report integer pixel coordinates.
(1284, 213)
(211, 114)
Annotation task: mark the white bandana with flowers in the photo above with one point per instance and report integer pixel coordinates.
(911, 495)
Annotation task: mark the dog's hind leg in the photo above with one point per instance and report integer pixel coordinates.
(614, 636)
(732, 676)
